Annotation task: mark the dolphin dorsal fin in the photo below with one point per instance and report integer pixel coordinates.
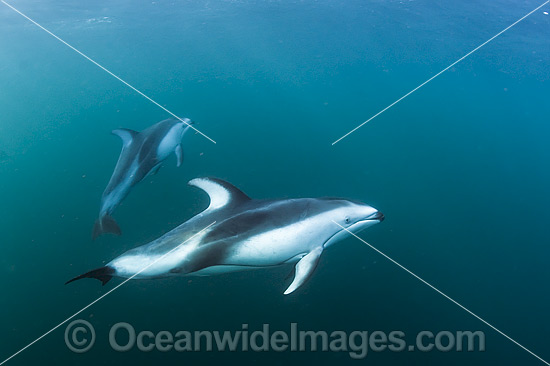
(222, 193)
(125, 134)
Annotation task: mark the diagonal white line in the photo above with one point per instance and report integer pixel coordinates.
(439, 73)
(106, 70)
(444, 295)
(102, 296)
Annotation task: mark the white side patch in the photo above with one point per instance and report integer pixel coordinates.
(219, 196)
(129, 265)
(169, 142)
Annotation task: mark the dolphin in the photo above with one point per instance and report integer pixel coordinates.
(243, 233)
(141, 155)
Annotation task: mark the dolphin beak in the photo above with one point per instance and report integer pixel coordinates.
(186, 121)
(377, 216)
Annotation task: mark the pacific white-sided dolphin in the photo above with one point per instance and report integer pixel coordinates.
(247, 233)
(141, 155)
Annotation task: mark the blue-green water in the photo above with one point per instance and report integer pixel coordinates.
(460, 168)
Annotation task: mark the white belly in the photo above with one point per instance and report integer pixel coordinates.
(276, 246)
(169, 143)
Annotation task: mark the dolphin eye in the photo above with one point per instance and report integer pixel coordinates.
(347, 220)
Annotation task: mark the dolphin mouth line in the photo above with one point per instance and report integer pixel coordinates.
(378, 216)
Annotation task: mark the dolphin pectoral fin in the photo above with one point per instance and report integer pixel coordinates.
(125, 134)
(291, 273)
(179, 154)
(304, 269)
(155, 170)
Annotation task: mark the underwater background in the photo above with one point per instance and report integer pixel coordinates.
(460, 168)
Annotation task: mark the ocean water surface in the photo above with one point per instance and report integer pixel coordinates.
(460, 169)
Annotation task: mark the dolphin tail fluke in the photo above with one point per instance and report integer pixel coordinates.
(103, 274)
(105, 224)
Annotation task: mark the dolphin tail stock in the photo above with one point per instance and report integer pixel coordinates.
(105, 224)
(103, 274)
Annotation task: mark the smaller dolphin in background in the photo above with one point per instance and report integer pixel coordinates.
(141, 155)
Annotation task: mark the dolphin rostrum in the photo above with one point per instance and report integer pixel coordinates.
(246, 233)
(141, 155)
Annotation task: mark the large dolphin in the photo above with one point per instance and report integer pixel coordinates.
(141, 155)
(247, 233)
